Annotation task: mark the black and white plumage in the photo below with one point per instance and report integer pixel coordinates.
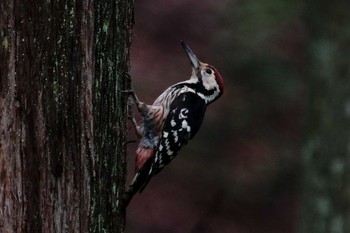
(172, 120)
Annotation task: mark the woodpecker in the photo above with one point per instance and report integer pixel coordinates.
(172, 120)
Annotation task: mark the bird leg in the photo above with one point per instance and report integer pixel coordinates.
(141, 107)
(131, 117)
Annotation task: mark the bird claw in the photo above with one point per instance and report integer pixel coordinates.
(133, 100)
(142, 108)
(136, 127)
(128, 91)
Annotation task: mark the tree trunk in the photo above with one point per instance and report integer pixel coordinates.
(113, 37)
(63, 65)
(326, 161)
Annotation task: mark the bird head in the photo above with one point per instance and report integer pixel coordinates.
(206, 75)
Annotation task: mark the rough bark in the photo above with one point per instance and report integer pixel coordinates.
(326, 163)
(113, 22)
(63, 118)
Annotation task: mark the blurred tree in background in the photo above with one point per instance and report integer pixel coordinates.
(326, 159)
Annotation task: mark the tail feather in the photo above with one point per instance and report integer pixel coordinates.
(139, 182)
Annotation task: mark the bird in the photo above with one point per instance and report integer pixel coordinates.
(172, 120)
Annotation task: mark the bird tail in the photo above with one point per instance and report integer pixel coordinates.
(141, 179)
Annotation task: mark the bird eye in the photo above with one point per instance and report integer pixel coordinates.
(208, 71)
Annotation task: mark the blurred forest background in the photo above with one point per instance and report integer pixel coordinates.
(243, 171)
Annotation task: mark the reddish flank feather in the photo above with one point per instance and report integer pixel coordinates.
(219, 79)
(142, 155)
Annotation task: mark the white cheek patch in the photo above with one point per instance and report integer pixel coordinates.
(210, 83)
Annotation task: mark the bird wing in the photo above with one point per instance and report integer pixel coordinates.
(181, 124)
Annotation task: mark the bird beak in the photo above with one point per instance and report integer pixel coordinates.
(193, 58)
